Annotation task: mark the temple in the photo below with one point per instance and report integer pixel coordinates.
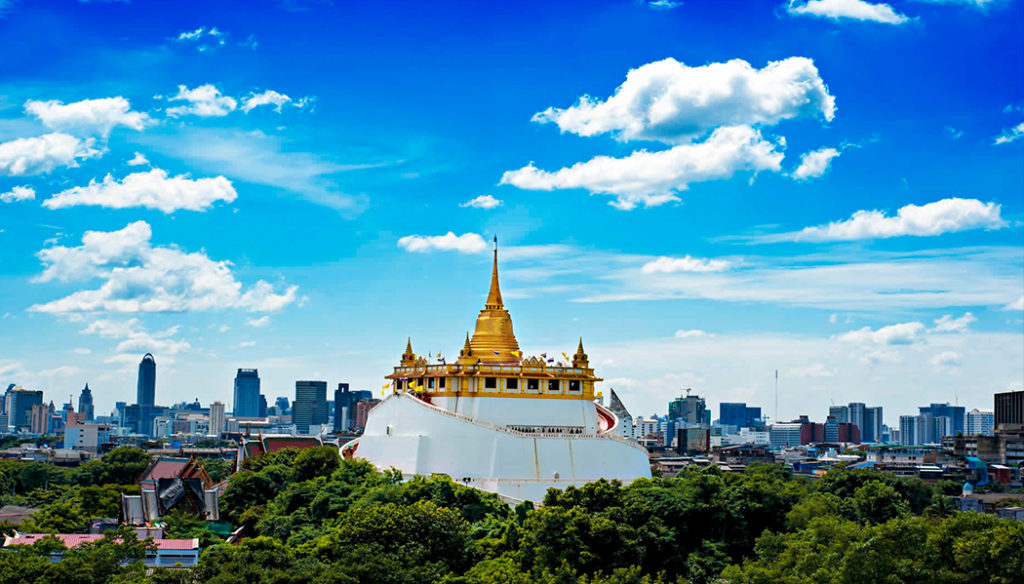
(496, 420)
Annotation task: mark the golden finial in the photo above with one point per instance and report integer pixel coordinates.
(494, 295)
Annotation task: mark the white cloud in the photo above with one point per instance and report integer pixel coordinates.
(139, 277)
(203, 101)
(18, 194)
(815, 163)
(954, 133)
(688, 334)
(943, 216)
(81, 351)
(90, 115)
(138, 160)
(663, 4)
(203, 38)
(268, 97)
(669, 101)
(465, 243)
(482, 202)
(61, 371)
(1016, 305)
(135, 339)
(896, 334)
(152, 189)
(652, 178)
(852, 9)
(41, 154)
(668, 265)
(814, 370)
(258, 322)
(1011, 135)
(947, 324)
(245, 344)
(949, 361)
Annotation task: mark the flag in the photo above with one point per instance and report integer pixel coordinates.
(566, 356)
(439, 355)
(386, 385)
(551, 360)
(544, 355)
(517, 353)
(441, 359)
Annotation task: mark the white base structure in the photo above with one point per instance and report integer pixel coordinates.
(415, 437)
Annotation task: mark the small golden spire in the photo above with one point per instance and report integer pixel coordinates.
(580, 359)
(408, 357)
(493, 340)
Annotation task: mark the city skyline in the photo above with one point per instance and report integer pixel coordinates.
(300, 194)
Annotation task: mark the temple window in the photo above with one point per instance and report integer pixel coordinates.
(430, 383)
(574, 385)
(533, 384)
(512, 383)
(553, 386)
(490, 383)
(441, 383)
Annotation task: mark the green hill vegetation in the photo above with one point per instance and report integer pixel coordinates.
(315, 518)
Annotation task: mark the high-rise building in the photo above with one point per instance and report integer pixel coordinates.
(309, 410)
(908, 430)
(247, 394)
(146, 393)
(282, 405)
(840, 413)
(39, 422)
(261, 411)
(19, 406)
(857, 415)
(980, 423)
(956, 415)
(363, 410)
(1009, 408)
(85, 405)
(691, 410)
(345, 407)
(871, 429)
(217, 418)
(738, 414)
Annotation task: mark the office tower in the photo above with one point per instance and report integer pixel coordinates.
(119, 412)
(1009, 408)
(282, 405)
(19, 406)
(925, 429)
(908, 430)
(871, 430)
(261, 411)
(147, 381)
(956, 414)
(691, 410)
(85, 403)
(980, 423)
(831, 430)
(738, 414)
(39, 419)
(217, 418)
(857, 415)
(345, 402)
(840, 413)
(247, 394)
(309, 410)
(363, 408)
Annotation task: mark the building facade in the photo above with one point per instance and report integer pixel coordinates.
(1009, 408)
(309, 410)
(85, 405)
(146, 387)
(217, 418)
(246, 402)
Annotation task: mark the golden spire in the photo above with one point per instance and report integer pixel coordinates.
(493, 339)
(494, 295)
(580, 359)
(408, 357)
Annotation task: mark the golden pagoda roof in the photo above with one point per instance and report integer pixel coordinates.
(493, 340)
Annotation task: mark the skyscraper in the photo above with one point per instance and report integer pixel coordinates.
(980, 423)
(345, 407)
(871, 430)
(908, 430)
(146, 394)
(217, 419)
(85, 405)
(956, 415)
(738, 414)
(691, 409)
(309, 410)
(1009, 408)
(247, 394)
(19, 406)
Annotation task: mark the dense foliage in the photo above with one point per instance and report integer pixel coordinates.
(315, 518)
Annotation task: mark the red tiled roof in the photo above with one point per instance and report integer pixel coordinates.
(166, 468)
(72, 540)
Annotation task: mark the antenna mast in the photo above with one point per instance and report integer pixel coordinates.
(776, 396)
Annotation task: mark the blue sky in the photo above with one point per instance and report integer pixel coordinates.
(832, 189)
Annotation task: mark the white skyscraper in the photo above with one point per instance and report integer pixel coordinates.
(216, 418)
(979, 422)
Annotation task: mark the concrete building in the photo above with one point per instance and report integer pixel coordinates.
(871, 430)
(691, 409)
(1009, 408)
(87, 437)
(247, 394)
(363, 408)
(345, 407)
(40, 419)
(908, 430)
(19, 407)
(956, 415)
(217, 418)
(979, 422)
(309, 410)
(738, 414)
